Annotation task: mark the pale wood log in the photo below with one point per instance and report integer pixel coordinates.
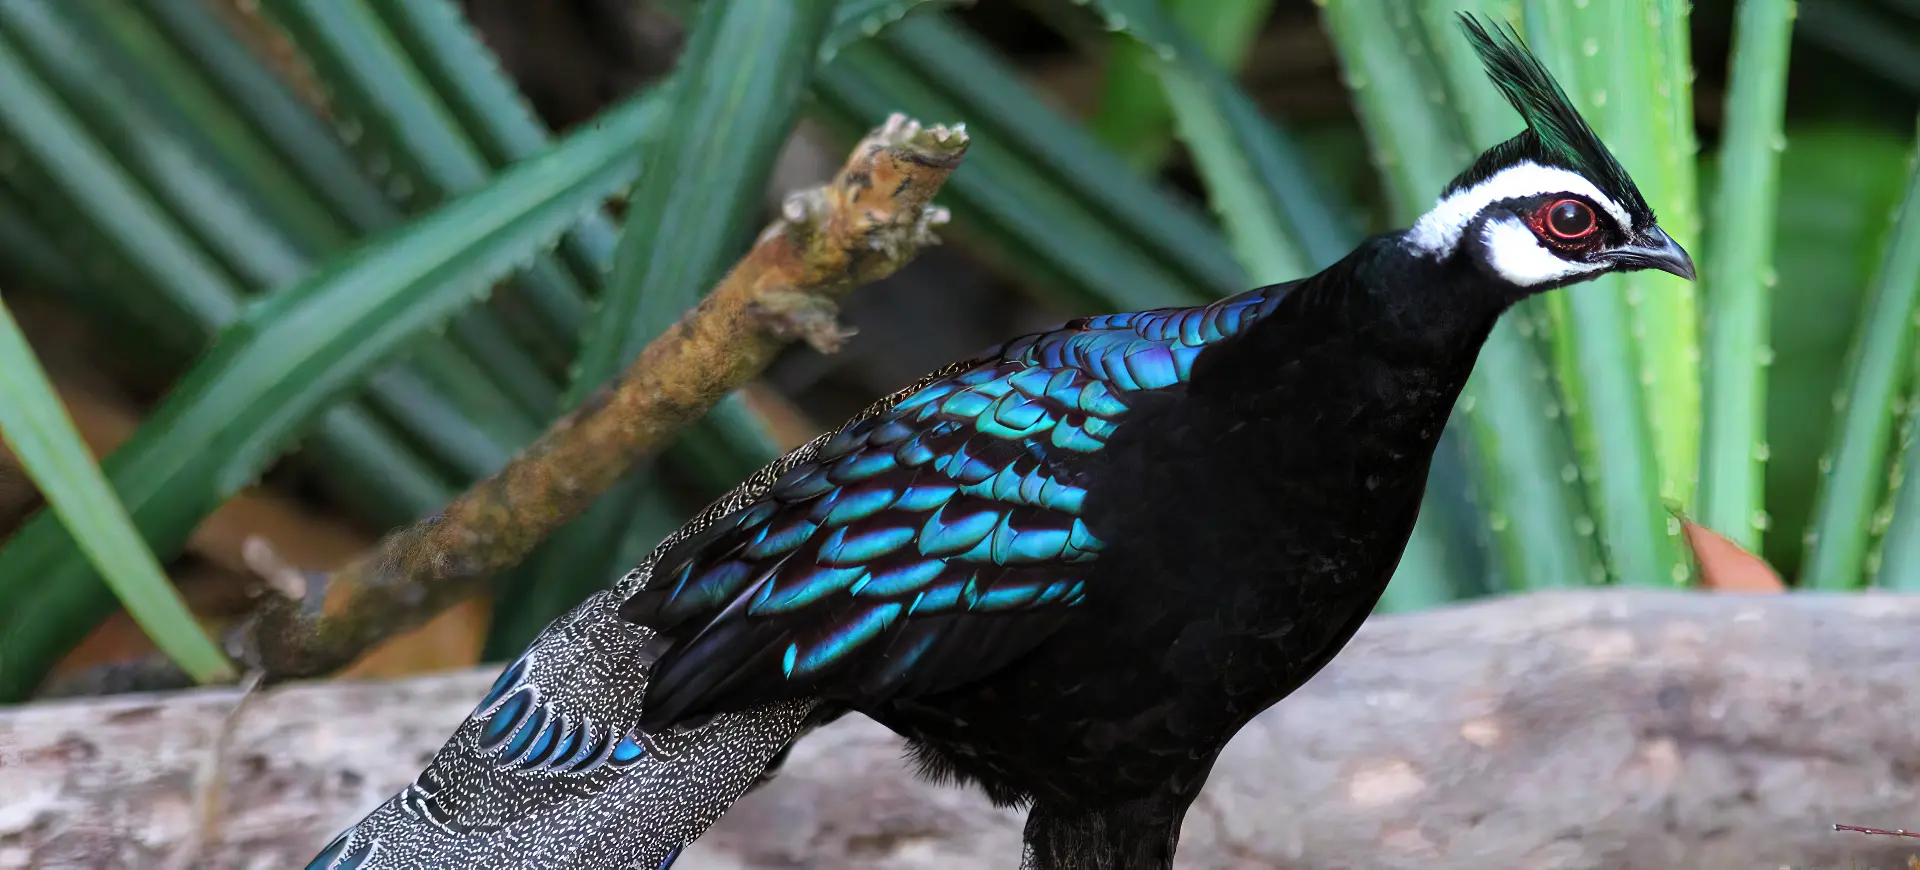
(1616, 729)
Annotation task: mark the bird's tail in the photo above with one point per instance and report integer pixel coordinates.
(550, 771)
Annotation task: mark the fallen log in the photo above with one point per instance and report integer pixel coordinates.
(1597, 729)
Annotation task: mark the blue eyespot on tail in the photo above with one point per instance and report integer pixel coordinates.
(526, 733)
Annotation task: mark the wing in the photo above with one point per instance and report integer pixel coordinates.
(925, 544)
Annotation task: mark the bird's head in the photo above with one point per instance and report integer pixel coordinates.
(1551, 206)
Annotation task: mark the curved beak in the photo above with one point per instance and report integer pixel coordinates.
(1654, 250)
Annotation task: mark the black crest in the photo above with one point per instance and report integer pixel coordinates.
(1556, 135)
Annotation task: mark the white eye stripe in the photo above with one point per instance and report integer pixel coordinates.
(1517, 256)
(1437, 232)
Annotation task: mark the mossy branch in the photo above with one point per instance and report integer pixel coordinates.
(863, 226)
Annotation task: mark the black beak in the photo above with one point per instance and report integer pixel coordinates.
(1655, 250)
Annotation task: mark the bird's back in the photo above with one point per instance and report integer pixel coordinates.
(930, 542)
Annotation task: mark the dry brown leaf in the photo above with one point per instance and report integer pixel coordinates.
(1726, 566)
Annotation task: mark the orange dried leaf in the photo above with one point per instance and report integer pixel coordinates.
(1726, 566)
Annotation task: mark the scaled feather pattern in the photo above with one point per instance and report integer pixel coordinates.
(926, 543)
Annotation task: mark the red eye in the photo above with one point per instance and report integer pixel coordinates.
(1569, 219)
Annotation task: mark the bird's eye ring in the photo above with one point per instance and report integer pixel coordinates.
(1569, 219)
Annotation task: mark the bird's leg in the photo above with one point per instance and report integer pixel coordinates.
(1132, 835)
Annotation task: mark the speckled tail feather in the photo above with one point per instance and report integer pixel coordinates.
(551, 770)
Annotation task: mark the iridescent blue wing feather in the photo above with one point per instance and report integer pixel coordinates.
(926, 543)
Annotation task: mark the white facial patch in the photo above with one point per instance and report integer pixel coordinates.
(1517, 255)
(1437, 233)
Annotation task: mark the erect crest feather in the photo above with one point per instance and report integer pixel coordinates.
(1556, 135)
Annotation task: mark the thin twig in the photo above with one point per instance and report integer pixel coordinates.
(210, 791)
(866, 224)
(1897, 832)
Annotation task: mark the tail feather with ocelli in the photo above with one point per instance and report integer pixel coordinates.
(550, 772)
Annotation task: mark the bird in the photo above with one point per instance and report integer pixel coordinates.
(1066, 570)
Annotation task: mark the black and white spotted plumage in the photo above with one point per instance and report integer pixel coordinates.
(550, 770)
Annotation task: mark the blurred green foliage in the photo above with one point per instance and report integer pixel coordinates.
(305, 275)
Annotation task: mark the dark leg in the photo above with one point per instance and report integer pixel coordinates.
(1136, 835)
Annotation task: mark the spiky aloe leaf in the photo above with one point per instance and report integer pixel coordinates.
(268, 376)
(1740, 276)
(1878, 366)
(35, 425)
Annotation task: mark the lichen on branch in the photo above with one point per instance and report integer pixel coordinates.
(864, 225)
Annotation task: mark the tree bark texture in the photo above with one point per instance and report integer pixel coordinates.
(1596, 729)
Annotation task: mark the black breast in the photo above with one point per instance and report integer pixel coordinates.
(1252, 522)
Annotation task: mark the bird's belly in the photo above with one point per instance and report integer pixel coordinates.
(1202, 618)
(1115, 708)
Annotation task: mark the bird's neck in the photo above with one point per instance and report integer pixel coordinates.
(1309, 439)
(1392, 335)
(1383, 289)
